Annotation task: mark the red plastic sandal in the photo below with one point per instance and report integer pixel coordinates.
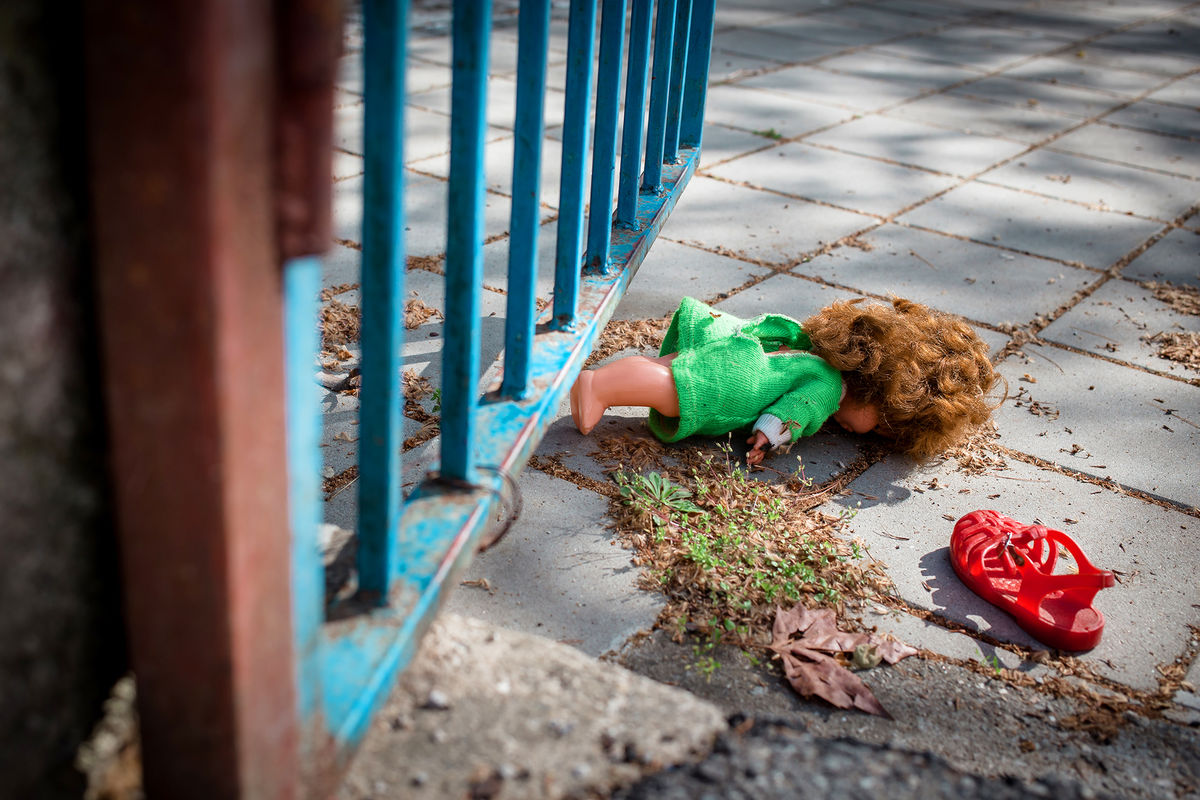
(1011, 566)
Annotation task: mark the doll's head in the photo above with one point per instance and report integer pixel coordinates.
(927, 372)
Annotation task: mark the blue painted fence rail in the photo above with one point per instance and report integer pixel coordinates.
(410, 550)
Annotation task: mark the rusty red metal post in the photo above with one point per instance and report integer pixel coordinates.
(182, 142)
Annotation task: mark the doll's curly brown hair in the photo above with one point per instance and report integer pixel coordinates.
(927, 372)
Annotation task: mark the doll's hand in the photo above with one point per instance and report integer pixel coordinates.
(759, 443)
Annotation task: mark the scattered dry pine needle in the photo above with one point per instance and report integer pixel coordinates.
(329, 291)
(1183, 299)
(1183, 348)
(416, 312)
(622, 334)
(340, 324)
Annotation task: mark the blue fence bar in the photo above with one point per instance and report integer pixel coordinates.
(382, 397)
(664, 39)
(636, 78)
(533, 37)
(604, 150)
(679, 61)
(464, 238)
(568, 253)
(301, 286)
(695, 86)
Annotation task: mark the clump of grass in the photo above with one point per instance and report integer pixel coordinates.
(728, 549)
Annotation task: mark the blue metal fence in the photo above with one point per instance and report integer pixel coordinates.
(410, 550)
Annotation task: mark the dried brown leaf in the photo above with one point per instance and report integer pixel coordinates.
(813, 673)
(800, 635)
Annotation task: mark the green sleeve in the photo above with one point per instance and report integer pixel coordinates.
(801, 415)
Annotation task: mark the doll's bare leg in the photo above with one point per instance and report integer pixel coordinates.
(632, 381)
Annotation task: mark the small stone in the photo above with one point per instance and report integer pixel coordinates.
(437, 700)
(581, 770)
(438, 736)
(418, 779)
(559, 728)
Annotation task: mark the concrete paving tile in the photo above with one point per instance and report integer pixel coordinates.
(941, 12)
(341, 264)
(916, 75)
(1146, 615)
(1172, 36)
(495, 262)
(1175, 258)
(497, 167)
(987, 119)
(952, 644)
(1116, 320)
(1184, 92)
(759, 14)
(1052, 98)
(425, 209)
(346, 165)
(423, 345)
(419, 75)
(974, 46)
(918, 145)
(768, 44)
(767, 227)
(1160, 118)
(831, 88)
(852, 182)
(1165, 64)
(722, 143)
(849, 28)
(784, 294)
(1100, 184)
(501, 103)
(1121, 11)
(1074, 72)
(754, 110)
(672, 270)
(1137, 148)
(1031, 224)
(341, 509)
(558, 576)
(348, 126)
(502, 53)
(725, 66)
(1111, 422)
(979, 282)
(427, 133)
(1054, 21)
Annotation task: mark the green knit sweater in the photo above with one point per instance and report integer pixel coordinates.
(726, 376)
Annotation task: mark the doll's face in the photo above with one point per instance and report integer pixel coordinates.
(856, 416)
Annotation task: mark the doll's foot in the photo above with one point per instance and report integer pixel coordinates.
(585, 410)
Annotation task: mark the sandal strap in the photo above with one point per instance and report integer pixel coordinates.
(1036, 585)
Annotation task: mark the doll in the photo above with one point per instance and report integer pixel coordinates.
(911, 374)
